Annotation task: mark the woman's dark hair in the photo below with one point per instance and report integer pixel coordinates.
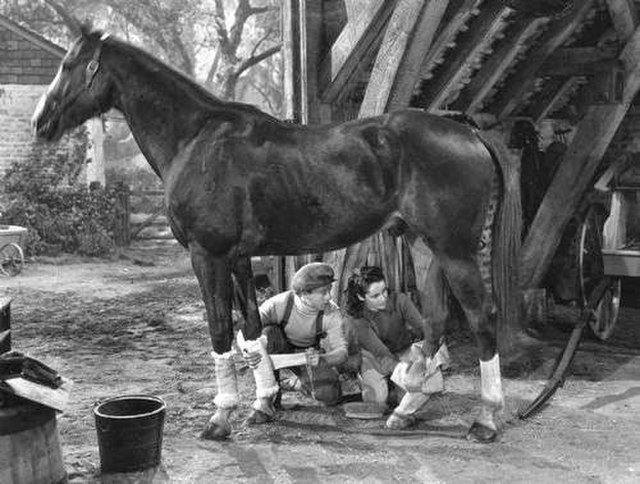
(358, 285)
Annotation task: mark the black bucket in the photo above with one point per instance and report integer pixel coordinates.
(129, 433)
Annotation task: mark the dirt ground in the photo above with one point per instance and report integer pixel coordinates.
(135, 325)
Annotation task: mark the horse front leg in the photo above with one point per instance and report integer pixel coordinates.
(466, 283)
(244, 276)
(266, 384)
(214, 278)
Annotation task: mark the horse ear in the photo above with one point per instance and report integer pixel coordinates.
(85, 29)
(74, 26)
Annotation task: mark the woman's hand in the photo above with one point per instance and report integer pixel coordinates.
(253, 358)
(313, 356)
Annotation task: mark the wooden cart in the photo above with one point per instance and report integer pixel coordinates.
(11, 254)
(610, 243)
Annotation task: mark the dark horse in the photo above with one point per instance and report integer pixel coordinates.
(240, 183)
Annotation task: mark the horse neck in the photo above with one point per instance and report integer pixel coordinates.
(164, 109)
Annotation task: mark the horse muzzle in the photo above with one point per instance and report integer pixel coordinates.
(45, 122)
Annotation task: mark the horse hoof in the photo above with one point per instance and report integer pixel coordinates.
(258, 417)
(481, 433)
(400, 422)
(216, 430)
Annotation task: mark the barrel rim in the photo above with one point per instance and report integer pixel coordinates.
(161, 408)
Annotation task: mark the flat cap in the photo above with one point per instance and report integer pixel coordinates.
(312, 276)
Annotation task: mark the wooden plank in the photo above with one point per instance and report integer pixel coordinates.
(409, 69)
(520, 84)
(592, 137)
(394, 45)
(481, 33)
(56, 398)
(359, 35)
(624, 17)
(497, 64)
(458, 14)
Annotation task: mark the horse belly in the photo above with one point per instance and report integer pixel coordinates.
(311, 232)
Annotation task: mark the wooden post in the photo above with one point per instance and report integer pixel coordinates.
(122, 229)
(5, 324)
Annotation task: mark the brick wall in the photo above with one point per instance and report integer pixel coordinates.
(17, 103)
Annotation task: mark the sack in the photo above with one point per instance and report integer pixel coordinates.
(276, 339)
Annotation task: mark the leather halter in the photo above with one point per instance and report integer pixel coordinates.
(94, 63)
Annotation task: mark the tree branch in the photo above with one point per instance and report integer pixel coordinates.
(69, 20)
(251, 61)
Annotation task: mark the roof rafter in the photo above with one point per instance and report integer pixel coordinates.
(359, 36)
(481, 33)
(524, 80)
(408, 72)
(553, 92)
(577, 61)
(446, 35)
(494, 68)
(407, 39)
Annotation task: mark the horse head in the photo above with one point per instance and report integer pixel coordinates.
(81, 89)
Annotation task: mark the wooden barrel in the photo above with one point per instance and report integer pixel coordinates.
(29, 447)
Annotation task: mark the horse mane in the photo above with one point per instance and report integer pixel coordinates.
(195, 90)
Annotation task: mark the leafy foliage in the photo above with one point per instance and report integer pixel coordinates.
(43, 194)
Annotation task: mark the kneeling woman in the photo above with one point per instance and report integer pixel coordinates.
(388, 329)
(302, 319)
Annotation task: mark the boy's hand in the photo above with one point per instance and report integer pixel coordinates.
(253, 358)
(313, 356)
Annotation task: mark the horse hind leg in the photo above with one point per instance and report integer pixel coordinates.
(466, 282)
(438, 312)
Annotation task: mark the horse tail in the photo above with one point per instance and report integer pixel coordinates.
(506, 238)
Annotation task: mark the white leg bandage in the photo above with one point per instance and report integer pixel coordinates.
(491, 392)
(266, 385)
(227, 396)
(411, 403)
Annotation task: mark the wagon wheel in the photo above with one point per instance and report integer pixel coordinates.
(591, 271)
(11, 259)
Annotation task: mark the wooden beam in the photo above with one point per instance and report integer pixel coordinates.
(520, 84)
(358, 37)
(458, 14)
(481, 33)
(408, 72)
(578, 61)
(496, 65)
(592, 137)
(395, 46)
(291, 59)
(552, 93)
(624, 18)
(311, 32)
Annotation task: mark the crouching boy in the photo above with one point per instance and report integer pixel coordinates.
(303, 319)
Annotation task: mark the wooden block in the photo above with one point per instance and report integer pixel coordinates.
(55, 398)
